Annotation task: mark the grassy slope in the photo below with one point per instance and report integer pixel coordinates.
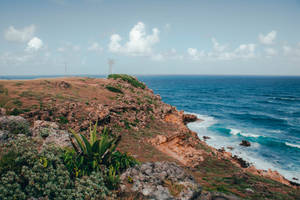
(213, 174)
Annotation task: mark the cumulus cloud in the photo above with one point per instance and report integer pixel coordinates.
(21, 35)
(167, 55)
(292, 51)
(268, 39)
(195, 54)
(34, 44)
(221, 52)
(139, 43)
(95, 47)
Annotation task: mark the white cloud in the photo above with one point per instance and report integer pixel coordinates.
(268, 39)
(34, 44)
(286, 49)
(95, 47)
(21, 35)
(292, 51)
(195, 54)
(244, 51)
(139, 44)
(270, 52)
(167, 55)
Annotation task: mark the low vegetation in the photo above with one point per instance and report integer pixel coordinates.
(133, 81)
(88, 170)
(114, 89)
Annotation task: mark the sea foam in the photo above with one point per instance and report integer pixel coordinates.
(293, 145)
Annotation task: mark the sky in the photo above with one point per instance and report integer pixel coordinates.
(218, 37)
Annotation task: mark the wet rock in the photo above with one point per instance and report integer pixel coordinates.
(245, 143)
(158, 180)
(230, 148)
(241, 161)
(187, 118)
(206, 137)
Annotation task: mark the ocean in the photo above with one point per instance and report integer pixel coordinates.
(261, 109)
(264, 110)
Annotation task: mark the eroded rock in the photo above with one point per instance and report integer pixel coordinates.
(160, 180)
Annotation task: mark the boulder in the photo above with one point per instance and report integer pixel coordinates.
(51, 133)
(160, 180)
(206, 137)
(245, 143)
(187, 118)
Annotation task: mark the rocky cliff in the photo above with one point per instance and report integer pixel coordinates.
(152, 131)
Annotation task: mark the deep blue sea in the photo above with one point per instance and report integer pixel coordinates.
(261, 109)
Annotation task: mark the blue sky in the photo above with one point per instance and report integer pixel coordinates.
(257, 37)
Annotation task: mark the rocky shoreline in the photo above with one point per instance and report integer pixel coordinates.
(153, 132)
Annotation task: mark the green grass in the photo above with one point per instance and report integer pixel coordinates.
(114, 89)
(133, 81)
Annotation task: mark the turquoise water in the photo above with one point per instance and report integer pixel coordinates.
(262, 110)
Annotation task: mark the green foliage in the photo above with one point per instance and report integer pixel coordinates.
(114, 89)
(133, 81)
(122, 161)
(112, 179)
(19, 84)
(17, 102)
(88, 155)
(25, 173)
(63, 120)
(97, 154)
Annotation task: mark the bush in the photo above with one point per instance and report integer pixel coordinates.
(15, 125)
(25, 173)
(133, 81)
(114, 89)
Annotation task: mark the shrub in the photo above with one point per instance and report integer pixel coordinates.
(63, 120)
(30, 174)
(15, 125)
(114, 89)
(133, 81)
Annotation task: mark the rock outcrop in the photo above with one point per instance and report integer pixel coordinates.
(245, 143)
(160, 180)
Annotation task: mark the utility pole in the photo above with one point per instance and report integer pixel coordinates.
(111, 62)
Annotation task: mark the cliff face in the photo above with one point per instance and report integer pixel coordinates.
(151, 130)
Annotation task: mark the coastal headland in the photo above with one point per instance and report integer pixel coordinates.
(151, 131)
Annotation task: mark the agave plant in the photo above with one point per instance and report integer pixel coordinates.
(88, 155)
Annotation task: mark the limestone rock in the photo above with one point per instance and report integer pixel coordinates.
(160, 180)
(51, 133)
